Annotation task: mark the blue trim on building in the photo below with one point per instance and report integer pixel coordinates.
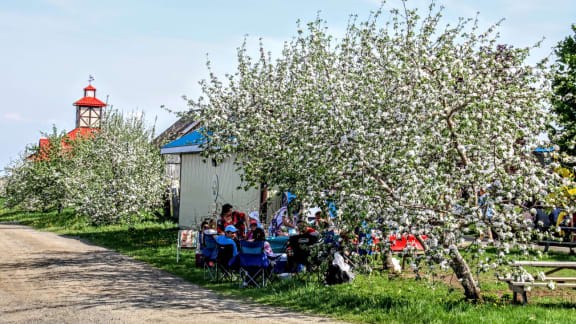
(194, 138)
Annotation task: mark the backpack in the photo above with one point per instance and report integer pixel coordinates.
(338, 272)
(335, 275)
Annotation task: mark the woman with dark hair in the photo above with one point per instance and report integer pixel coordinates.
(259, 235)
(229, 216)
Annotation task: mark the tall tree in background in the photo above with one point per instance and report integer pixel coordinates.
(401, 124)
(115, 175)
(38, 180)
(118, 176)
(564, 87)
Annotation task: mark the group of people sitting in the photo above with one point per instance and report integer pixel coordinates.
(231, 228)
(234, 226)
(238, 230)
(285, 225)
(557, 217)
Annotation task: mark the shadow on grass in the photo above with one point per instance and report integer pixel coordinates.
(41, 221)
(130, 239)
(520, 255)
(11, 214)
(557, 305)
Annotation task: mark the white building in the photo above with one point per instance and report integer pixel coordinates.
(205, 186)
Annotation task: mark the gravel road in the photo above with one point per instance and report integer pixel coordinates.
(47, 278)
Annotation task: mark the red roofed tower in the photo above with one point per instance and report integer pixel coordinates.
(88, 118)
(89, 109)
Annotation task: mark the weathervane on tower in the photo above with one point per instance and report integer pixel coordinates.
(89, 109)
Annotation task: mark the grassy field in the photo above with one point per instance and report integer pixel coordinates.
(370, 299)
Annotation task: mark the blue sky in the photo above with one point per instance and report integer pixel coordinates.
(145, 53)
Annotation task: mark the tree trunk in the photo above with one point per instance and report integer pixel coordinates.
(60, 208)
(465, 277)
(462, 271)
(387, 258)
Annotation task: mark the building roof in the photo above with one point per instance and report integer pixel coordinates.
(84, 132)
(80, 132)
(181, 127)
(90, 87)
(44, 142)
(188, 143)
(90, 102)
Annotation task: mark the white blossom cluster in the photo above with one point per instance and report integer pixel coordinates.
(400, 124)
(119, 173)
(37, 180)
(113, 176)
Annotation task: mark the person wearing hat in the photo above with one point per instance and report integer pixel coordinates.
(229, 216)
(253, 226)
(229, 238)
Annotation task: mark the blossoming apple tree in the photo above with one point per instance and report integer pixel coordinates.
(118, 175)
(37, 180)
(400, 123)
(114, 175)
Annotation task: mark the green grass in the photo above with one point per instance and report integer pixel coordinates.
(370, 299)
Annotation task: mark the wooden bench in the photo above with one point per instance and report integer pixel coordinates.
(548, 244)
(520, 287)
(569, 234)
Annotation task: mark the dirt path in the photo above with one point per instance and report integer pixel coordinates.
(46, 278)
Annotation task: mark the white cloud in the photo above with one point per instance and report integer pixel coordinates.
(13, 117)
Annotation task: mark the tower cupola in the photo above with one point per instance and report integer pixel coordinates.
(89, 109)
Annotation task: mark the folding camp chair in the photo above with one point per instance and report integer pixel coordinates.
(187, 239)
(225, 268)
(254, 264)
(209, 257)
(299, 252)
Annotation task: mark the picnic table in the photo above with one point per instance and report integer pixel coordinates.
(520, 287)
(279, 243)
(569, 233)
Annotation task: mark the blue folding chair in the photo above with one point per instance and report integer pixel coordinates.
(254, 264)
(210, 251)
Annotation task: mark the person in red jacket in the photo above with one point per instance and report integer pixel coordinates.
(232, 217)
